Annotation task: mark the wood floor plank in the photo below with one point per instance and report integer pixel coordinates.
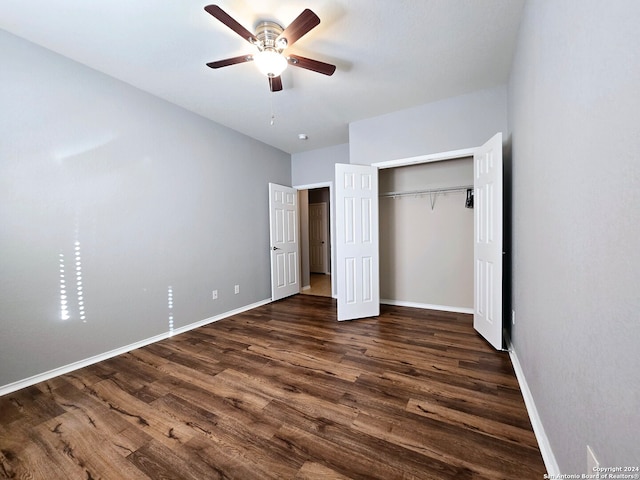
(349, 439)
(32, 406)
(76, 442)
(492, 405)
(488, 426)
(129, 440)
(141, 415)
(39, 460)
(156, 460)
(283, 391)
(316, 471)
(480, 454)
(229, 462)
(220, 431)
(90, 410)
(292, 380)
(345, 462)
(227, 409)
(308, 361)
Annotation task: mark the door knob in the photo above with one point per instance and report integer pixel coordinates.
(275, 248)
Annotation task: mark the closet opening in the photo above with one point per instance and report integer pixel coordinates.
(426, 235)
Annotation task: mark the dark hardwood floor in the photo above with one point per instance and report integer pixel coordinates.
(283, 391)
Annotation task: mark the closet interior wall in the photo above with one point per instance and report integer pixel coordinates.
(426, 239)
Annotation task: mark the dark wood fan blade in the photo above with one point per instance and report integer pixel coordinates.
(230, 61)
(225, 18)
(299, 27)
(275, 84)
(310, 64)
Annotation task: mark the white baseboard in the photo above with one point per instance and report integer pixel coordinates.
(41, 377)
(543, 442)
(427, 306)
(306, 287)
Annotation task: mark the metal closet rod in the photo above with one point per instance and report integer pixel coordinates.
(461, 188)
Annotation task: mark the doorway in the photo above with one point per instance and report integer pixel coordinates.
(316, 234)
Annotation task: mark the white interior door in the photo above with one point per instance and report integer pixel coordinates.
(318, 251)
(357, 264)
(285, 262)
(487, 170)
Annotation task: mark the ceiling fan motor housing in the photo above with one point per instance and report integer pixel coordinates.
(267, 33)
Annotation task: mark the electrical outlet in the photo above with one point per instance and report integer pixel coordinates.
(237, 289)
(214, 294)
(513, 317)
(592, 462)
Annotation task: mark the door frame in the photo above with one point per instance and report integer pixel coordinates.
(312, 186)
(423, 159)
(432, 157)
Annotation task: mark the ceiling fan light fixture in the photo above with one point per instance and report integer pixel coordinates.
(270, 62)
(271, 40)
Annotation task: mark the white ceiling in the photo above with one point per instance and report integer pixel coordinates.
(390, 55)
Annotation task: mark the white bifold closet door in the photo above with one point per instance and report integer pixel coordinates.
(357, 263)
(487, 182)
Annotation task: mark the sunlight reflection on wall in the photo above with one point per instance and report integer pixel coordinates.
(65, 288)
(170, 305)
(64, 310)
(79, 290)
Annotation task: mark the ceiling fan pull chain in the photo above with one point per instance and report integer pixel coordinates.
(273, 115)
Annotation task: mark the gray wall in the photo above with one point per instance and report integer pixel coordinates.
(156, 197)
(574, 103)
(451, 124)
(460, 122)
(317, 166)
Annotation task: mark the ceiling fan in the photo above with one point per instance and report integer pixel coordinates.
(270, 41)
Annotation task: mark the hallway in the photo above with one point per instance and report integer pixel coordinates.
(320, 285)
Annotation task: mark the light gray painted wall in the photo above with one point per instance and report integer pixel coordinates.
(156, 197)
(426, 255)
(317, 166)
(574, 101)
(460, 122)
